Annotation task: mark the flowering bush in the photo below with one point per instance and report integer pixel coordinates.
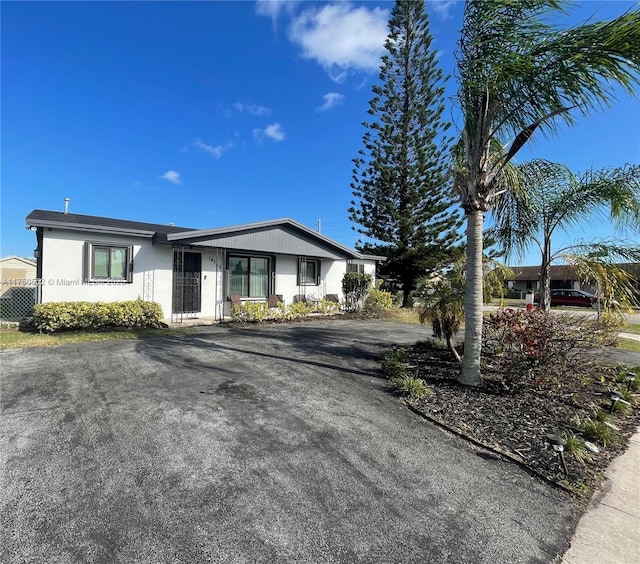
(540, 346)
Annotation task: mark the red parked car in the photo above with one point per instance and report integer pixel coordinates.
(576, 298)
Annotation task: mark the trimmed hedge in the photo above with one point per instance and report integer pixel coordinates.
(70, 316)
(258, 312)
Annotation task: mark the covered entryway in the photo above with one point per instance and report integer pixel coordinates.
(187, 271)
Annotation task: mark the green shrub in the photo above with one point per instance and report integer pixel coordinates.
(377, 301)
(258, 312)
(70, 316)
(300, 309)
(394, 363)
(250, 312)
(327, 307)
(575, 447)
(598, 430)
(629, 377)
(354, 287)
(412, 387)
(541, 347)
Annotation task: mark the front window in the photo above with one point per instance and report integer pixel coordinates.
(249, 276)
(354, 267)
(308, 272)
(109, 262)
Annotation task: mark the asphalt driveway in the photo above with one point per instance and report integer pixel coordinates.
(278, 443)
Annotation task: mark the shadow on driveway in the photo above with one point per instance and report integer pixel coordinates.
(253, 444)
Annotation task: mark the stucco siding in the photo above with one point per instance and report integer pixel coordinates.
(63, 258)
(63, 270)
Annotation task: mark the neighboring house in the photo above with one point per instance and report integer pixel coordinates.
(18, 287)
(527, 278)
(189, 272)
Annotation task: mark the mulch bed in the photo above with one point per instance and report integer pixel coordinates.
(516, 423)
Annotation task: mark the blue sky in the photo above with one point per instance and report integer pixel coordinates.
(208, 114)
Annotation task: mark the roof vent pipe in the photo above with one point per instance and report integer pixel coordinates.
(66, 206)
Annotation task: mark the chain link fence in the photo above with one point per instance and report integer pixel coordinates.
(17, 303)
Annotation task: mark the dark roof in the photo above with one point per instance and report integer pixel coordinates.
(562, 271)
(558, 272)
(76, 221)
(166, 233)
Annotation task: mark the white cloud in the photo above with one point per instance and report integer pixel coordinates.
(273, 8)
(213, 151)
(442, 7)
(341, 37)
(331, 100)
(273, 131)
(252, 109)
(171, 176)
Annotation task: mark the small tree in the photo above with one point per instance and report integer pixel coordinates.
(355, 286)
(442, 305)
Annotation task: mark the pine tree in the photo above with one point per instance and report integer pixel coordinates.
(403, 196)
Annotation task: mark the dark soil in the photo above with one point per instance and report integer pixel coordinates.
(517, 422)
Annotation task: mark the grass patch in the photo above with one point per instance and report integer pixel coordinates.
(633, 328)
(628, 345)
(401, 315)
(412, 387)
(12, 339)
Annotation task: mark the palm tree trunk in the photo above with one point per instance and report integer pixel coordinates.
(545, 276)
(470, 374)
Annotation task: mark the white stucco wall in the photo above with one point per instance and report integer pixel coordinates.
(63, 270)
(63, 274)
(331, 275)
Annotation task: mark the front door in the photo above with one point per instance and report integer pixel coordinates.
(187, 268)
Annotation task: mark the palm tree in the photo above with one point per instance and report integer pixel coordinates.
(442, 305)
(557, 199)
(518, 74)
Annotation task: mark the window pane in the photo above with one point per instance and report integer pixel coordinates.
(239, 276)
(259, 278)
(118, 264)
(100, 263)
(308, 272)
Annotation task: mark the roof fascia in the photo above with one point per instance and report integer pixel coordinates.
(92, 228)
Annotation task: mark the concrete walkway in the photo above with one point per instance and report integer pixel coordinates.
(609, 532)
(631, 336)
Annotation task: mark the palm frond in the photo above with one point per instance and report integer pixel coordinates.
(603, 263)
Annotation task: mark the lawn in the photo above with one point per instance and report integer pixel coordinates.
(628, 344)
(632, 328)
(13, 339)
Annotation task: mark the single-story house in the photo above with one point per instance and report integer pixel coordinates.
(16, 272)
(563, 277)
(189, 272)
(17, 288)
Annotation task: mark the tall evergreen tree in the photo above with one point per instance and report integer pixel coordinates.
(403, 198)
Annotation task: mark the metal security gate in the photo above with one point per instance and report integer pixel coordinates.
(187, 270)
